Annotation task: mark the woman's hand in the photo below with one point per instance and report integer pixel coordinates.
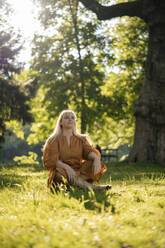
(96, 165)
(71, 173)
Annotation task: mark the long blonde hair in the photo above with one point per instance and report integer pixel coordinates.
(58, 129)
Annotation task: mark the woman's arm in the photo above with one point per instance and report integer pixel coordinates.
(96, 162)
(60, 164)
(93, 156)
(70, 172)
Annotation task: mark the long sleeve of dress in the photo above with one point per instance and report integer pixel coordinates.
(87, 148)
(51, 155)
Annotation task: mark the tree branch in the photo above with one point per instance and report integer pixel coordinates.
(117, 10)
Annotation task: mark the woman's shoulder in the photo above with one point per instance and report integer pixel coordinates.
(83, 137)
(51, 141)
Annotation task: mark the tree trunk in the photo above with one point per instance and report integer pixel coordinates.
(74, 11)
(149, 141)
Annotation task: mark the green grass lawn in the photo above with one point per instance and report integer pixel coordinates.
(132, 214)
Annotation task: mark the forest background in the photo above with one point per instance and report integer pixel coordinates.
(78, 62)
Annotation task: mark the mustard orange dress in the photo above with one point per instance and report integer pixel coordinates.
(75, 155)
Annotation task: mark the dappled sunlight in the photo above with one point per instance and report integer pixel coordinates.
(24, 20)
(23, 16)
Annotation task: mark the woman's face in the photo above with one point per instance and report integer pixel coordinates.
(68, 121)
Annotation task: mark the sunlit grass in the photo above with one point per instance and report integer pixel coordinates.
(132, 214)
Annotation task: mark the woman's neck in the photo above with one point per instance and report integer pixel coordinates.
(67, 132)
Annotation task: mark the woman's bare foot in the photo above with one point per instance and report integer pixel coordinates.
(102, 187)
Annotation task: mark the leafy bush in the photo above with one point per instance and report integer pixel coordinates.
(31, 159)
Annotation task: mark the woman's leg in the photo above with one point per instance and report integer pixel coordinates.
(58, 180)
(80, 181)
(87, 170)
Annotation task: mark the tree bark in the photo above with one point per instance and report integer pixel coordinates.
(116, 10)
(149, 140)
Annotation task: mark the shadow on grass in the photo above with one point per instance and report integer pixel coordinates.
(10, 181)
(93, 200)
(32, 167)
(119, 172)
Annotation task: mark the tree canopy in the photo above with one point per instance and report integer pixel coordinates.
(69, 65)
(12, 100)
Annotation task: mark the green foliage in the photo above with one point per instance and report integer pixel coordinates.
(9, 48)
(119, 51)
(44, 121)
(130, 215)
(30, 159)
(124, 82)
(16, 145)
(112, 59)
(66, 63)
(16, 128)
(113, 133)
(13, 104)
(5, 10)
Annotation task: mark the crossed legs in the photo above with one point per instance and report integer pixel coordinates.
(80, 181)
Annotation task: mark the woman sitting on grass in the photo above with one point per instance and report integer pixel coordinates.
(69, 155)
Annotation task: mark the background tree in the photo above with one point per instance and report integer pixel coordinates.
(149, 141)
(66, 61)
(125, 77)
(12, 99)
